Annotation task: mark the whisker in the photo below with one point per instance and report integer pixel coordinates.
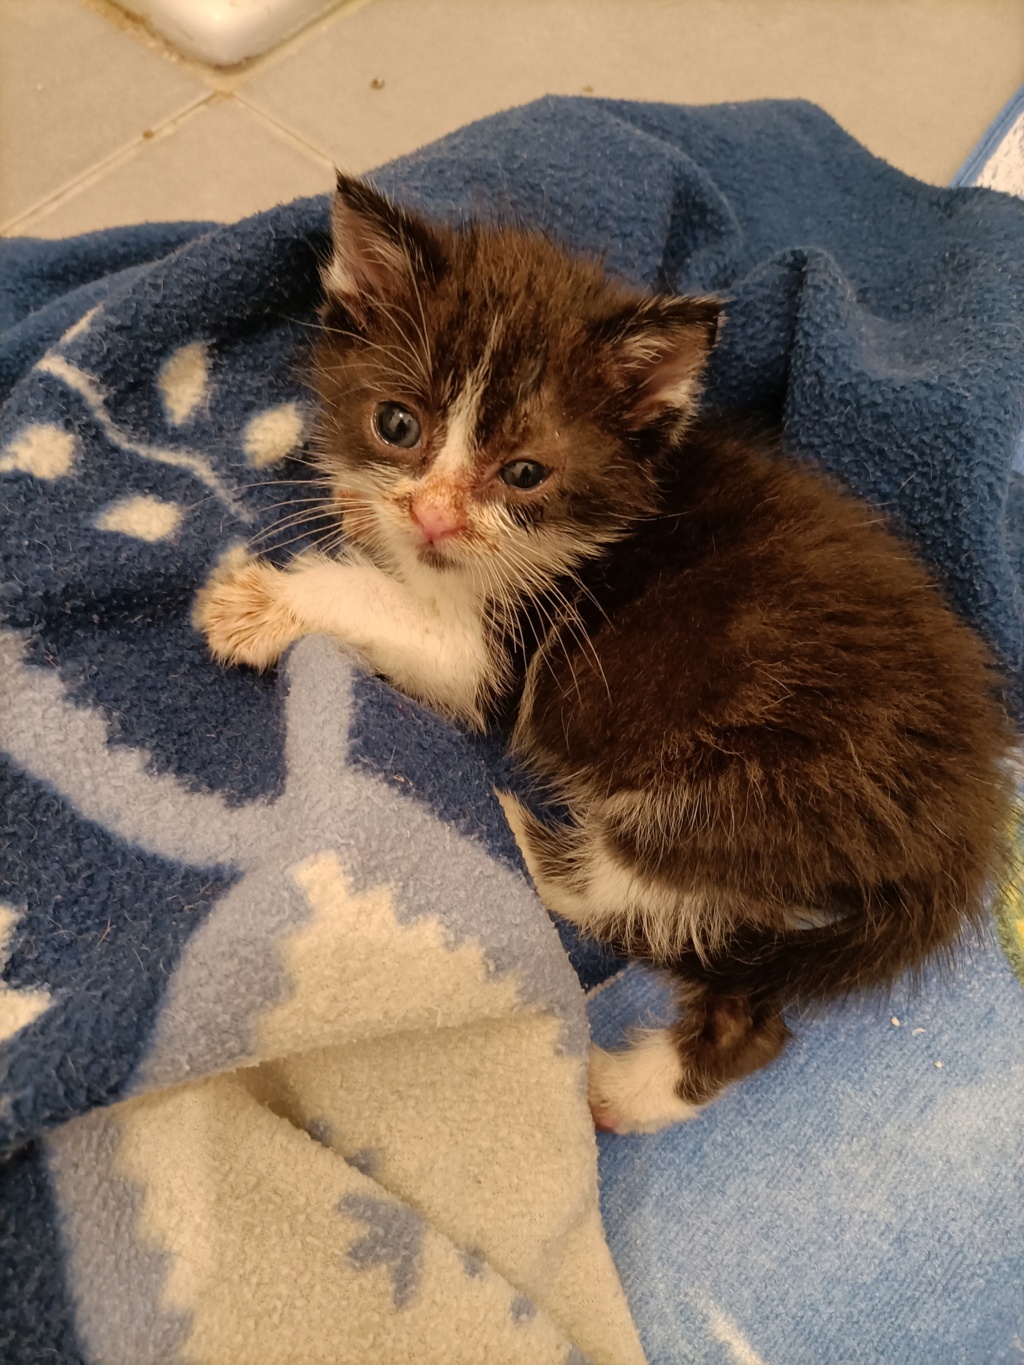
(289, 523)
(283, 545)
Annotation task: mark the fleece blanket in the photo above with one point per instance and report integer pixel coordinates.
(293, 1059)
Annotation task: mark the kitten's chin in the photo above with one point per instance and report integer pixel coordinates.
(436, 557)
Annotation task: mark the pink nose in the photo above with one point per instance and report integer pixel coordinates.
(436, 521)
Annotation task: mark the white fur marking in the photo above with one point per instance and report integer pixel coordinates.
(635, 1091)
(455, 457)
(605, 891)
(431, 647)
(339, 279)
(359, 262)
(677, 395)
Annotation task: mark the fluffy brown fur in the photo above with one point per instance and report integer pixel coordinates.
(782, 752)
(778, 717)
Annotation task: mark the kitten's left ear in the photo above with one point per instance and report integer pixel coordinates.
(659, 349)
(377, 247)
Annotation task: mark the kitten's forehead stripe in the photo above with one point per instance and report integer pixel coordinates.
(456, 458)
(462, 444)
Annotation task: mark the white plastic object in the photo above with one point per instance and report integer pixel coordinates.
(223, 32)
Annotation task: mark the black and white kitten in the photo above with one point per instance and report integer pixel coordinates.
(781, 751)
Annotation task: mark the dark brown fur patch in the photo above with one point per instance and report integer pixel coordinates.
(815, 729)
(722, 1038)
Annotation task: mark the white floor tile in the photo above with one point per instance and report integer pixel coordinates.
(221, 162)
(73, 92)
(916, 80)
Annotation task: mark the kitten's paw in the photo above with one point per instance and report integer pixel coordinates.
(242, 613)
(635, 1091)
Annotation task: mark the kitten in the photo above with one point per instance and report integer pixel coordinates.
(781, 751)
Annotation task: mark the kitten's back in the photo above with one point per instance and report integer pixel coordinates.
(772, 670)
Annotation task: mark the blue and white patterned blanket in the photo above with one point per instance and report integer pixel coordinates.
(291, 1058)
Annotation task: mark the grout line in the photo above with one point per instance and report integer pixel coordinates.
(226, 80)
(13, 227)
(222, 83)
(98, 170)
(282, 130)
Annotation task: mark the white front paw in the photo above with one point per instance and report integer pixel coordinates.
(242, 614)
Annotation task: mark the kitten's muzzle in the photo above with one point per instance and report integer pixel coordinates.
(436, 522)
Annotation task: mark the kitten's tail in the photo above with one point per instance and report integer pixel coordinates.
(895, 934)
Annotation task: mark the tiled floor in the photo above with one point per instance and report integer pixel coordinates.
(102, 124)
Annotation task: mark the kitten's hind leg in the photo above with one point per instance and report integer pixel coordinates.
(634, 1091)
(669, 1074)
(552, 854)
(580, 875)
(666, 1075)
(721, 1038)
(637, 1090)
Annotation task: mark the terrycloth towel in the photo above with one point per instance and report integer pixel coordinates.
(293, 1060)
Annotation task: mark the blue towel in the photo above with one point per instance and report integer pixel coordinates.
(151, 403)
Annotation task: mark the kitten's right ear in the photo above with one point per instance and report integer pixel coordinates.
(377, 247)
(658, 348)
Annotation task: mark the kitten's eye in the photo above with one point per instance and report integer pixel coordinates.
(396, 425)
(523, 473)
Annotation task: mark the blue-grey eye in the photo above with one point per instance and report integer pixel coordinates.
(523, 473)
(396, 425)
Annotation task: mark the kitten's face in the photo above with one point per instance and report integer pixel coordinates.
(492, 408)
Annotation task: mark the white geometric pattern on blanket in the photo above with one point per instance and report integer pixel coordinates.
(41, 449)
(141, 516)
(325, 805)
(183, 382)
(249, 1242)
(394, 1039)
(273, 434)
(88, 390)
(18, 1009)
